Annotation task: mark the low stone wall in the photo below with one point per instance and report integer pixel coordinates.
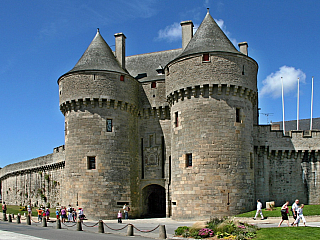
(36, 181)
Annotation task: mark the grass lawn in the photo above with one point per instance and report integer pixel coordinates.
(288, 233)
(16, 209)
(308, 210)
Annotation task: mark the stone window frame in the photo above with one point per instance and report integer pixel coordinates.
(205, 57)
(91, 162)
(109, 120)
(238, 115)
(188, 159)
(176, 119)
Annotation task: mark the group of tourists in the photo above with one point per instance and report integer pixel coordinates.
(296, 209)
(42, 213)
(69, 214)
(126, 210)
(297, 213)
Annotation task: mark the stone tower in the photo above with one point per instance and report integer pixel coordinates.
(99, 100)
(212, 91)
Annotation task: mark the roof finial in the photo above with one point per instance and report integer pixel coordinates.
(98, 30)
(207, 10)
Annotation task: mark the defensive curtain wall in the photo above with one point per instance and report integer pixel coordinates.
(286, 166)
(36, 181)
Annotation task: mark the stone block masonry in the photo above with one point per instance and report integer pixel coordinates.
(37, 181)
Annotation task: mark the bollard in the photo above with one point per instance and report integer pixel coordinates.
(10, 218)
(4, 217)
(28, 220)
(100, 228)
(79, 226)
(130, 230)
(58, 224)
(18, 218)
(44, 222)
(162, 232)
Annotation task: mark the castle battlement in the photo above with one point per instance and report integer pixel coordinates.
(295, 140)
(212, 90)
(77, 104)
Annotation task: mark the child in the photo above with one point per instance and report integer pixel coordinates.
(119, 216)
(300, 216)
(39, 214)
(57, 213)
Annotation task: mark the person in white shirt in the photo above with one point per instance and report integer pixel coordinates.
(294, 210)
(300, 216)
(259, 210)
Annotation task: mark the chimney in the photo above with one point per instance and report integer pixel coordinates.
(187, 32)
(243, 48)
(121, 49)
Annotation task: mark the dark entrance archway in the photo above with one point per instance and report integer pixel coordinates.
(154, 201)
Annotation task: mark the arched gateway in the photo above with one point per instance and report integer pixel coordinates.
(154, 201)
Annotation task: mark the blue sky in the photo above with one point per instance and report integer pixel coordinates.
(42, 40)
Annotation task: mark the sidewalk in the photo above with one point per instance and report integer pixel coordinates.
(151, 223)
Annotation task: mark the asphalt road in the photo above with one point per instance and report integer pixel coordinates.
(9, 231)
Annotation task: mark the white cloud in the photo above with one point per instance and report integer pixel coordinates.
(170, 33)
(272, 84)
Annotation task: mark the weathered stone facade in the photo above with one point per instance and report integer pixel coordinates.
(172, 133)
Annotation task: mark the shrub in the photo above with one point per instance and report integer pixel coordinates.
(181, 230)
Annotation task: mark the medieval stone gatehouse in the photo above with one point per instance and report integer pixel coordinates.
(171, 133)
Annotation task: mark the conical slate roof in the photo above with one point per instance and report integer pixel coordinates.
(98, 56)
(209, 38)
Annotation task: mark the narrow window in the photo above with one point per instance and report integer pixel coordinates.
(251, 161)
(153, 85)
(109, 125)
(65, 128)
(189, 160)
(142, 160)
(238, 115)
(243, 70)
(91, 162)
(176, 119)
(122, 78)
(150, 140)
(163, 156)
(205, 57)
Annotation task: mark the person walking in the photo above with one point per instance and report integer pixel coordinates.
(63, 214)
(125, 210)
(294, 210)
(259, 210)
(119, 216)
(4, 208)
(284, 213)
(39, 214)
(300, 216)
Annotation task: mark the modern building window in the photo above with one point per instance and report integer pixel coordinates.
(91, 162)
(122, 78)
(176, 119)
(153, 85)
(189, 160)
(238, 119)
(109, 125)
(205, 57)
